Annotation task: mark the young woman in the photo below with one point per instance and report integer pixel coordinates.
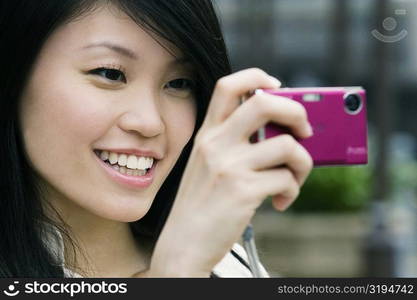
(110, 111)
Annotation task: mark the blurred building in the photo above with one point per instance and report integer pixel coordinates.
(325, 42)
(330, 43)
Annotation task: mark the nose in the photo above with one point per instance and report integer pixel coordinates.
(143, 116)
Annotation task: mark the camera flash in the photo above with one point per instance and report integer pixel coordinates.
(311, 97)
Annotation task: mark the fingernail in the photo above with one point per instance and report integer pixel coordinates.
(276, 81)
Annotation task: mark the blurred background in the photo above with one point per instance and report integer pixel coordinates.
(348, 221)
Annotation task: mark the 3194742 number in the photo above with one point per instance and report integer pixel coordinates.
(391, 289)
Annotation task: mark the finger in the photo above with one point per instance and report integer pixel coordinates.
(282, 202)
(280, 150)
(280, 183)
(260, 109)
(229, 90)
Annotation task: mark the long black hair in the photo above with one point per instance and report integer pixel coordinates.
(189, 25)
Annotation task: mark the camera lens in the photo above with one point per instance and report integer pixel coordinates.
(353, 103)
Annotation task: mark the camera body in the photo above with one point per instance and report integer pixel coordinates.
(339, 121)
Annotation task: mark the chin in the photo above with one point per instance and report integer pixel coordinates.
(124, 216)
(122, 212)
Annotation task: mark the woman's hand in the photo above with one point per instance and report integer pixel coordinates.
(227, 177)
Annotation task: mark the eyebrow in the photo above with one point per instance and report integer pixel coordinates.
(116, 48)
(180, 61)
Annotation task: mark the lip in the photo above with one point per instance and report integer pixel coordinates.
(128, 180)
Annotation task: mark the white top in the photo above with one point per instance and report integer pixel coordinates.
(229, 266)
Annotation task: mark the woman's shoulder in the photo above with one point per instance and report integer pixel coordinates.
(235, 264)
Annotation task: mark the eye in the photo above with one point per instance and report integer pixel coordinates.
(182, 84)
(110, 74)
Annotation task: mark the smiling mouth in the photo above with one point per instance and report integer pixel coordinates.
(127, 164)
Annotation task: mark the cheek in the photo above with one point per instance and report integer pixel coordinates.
(60, 123)
(60, 119)
(60, 114)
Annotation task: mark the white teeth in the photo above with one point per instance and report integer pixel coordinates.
(122, 160)
(132, 162)
(113, 157)
(122, 170)
(150, 162)
(104, 155)
(146, 163)
(129, 165)
(142, 163)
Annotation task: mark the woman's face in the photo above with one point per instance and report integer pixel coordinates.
(102, 86)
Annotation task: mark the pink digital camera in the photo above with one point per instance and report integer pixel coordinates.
(338, 118)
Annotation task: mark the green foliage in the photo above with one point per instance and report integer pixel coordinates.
(335, 189)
